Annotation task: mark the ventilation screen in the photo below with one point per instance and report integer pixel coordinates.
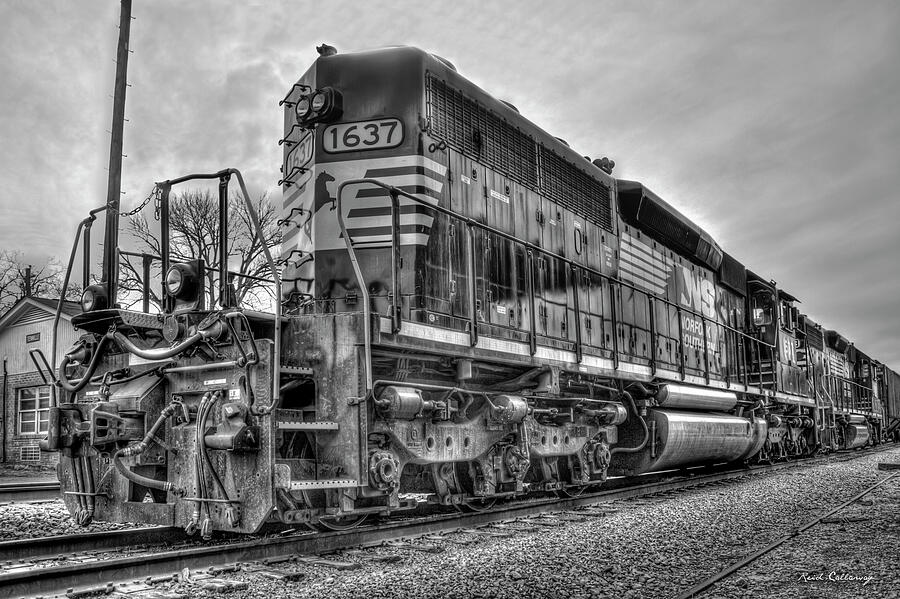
(814, 336)
(484, 136)
(733, 275)
(30, 453)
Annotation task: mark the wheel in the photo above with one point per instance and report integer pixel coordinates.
(573, 491)
(342, 522)
(456, 480)
(476, 505)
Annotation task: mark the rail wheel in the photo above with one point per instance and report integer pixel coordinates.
(342, 522)
(456, 479)
(572, 491)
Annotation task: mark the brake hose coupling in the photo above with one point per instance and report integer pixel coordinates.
(211, 332)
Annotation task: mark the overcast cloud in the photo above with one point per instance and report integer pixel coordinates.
(774, 125)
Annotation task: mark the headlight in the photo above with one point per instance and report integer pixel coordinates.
(175, 280)
(94, 298)
(318, 101)
(184, 287)
(323, 105)
(302, 108)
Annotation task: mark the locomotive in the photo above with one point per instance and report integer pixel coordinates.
(467, 309)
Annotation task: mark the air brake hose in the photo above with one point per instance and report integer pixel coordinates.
(76, 386)
(138, 448)
(157, 354)
(643, 444)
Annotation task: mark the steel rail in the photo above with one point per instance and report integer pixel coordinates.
(19, 550)
(28, 491)
(709, 582)
(57, 579)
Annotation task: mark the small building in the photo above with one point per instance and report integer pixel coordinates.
(26, 326)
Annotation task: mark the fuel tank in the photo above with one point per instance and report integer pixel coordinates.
(681, 397)
(681, 439)
(855, 435)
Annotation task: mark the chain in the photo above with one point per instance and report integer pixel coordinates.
(154, 193)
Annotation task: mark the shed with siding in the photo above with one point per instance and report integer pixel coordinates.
(28, 325)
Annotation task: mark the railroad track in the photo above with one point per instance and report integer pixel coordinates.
(47, 566)
(705, 585)
(29, 491)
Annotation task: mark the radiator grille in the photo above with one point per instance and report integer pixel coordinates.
(814, 337)
(574, 189)
(483, 136)
(480, 134)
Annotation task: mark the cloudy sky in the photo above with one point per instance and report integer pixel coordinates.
(775, 125)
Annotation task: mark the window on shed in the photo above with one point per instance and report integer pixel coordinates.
(34, 409)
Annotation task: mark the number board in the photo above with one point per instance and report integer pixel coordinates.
(365, 135)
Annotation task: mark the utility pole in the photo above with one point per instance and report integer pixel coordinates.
(113, 192)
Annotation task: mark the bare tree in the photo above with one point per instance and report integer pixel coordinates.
(194, 234)
(17, 277)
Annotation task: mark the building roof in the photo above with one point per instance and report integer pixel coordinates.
(38, 308)
(69, 307)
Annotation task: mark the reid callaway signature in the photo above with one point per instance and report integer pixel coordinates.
(834, 576)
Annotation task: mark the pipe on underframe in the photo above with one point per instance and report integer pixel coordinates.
(643, 422)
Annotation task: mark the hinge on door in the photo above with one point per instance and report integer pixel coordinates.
(453, 287)
(539, 216)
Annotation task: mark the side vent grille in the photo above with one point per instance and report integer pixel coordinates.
(575, 189)
(484, 136)
(480, 134)
(647, 211)
(814, 336)
(733, 275)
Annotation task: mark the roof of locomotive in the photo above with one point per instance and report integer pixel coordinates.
(405, 57)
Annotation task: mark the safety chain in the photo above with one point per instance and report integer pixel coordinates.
(154, 194)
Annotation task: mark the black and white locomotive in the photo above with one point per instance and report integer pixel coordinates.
(468, 309)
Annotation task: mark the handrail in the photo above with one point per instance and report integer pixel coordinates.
(471, 224)
(84, 225)
(223, 176)
(858, 393)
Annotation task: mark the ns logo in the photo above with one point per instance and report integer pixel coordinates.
(694, 292)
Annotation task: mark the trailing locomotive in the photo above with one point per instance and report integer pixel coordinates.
(468, 309)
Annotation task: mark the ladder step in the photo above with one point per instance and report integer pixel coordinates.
(318, 425)
(335, 483)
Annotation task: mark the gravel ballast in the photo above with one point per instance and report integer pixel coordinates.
(650, 548)
(43, 519)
